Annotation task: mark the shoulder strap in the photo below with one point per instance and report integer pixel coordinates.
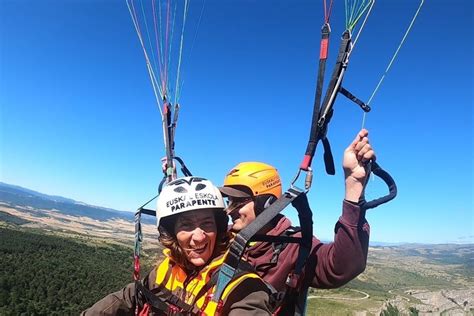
(299, 200)
(243, 268)
(239, 244)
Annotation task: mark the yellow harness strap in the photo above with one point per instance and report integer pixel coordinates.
(186, 290)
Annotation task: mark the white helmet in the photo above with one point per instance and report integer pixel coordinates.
(188, 194)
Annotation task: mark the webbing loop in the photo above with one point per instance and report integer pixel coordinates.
(387, 178)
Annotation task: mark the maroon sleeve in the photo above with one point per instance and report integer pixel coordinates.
(334, 264)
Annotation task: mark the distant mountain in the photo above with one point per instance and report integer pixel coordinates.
(16, 189)
(19, 196)
(384, 244)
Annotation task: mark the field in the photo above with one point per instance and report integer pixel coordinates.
(423, 279)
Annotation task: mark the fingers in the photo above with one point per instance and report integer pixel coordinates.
(361, 135)
(362, 148)
(366, 155)
(364, 151)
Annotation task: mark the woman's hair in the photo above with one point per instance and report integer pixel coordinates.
(167, 238)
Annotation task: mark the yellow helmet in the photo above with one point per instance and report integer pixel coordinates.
(252, 179)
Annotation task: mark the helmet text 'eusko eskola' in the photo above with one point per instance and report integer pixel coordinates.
(188, 194)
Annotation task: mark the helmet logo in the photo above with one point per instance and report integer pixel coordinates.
(188, 199)
(199, 199)
(184, 180)
(200, 186)
(180, 190)
(272, 182)
(188, 194)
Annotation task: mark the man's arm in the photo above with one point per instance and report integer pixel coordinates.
(334, 264)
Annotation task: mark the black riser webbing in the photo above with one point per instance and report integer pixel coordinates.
(344, 50)
(354, 99)
(325, 34)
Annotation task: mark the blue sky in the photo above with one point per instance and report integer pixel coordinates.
(78, 116)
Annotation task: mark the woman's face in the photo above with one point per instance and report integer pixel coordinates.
(196, 234)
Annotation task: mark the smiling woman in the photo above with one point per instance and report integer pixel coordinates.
(196, 235)
(196, 240)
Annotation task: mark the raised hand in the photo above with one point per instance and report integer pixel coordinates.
(355, 164)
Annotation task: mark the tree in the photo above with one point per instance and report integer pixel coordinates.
(390, 311)
(413, 311)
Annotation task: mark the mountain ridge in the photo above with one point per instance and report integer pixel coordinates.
(19, 196)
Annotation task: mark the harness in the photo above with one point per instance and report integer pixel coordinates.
(278, 244)
(166, 301)
(299, 200)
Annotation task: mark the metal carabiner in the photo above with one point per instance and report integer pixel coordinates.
(308, 179)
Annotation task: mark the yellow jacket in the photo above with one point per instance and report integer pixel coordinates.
(246, 295)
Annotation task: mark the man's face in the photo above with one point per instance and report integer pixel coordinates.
(241, 211)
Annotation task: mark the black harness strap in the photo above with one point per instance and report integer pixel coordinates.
(334, 84)
(299, 200)
(148, 212)
(296, 293)
(240, 241)
(282, 239)
(163, 299)
(323, 53)
(294, 301)
(328, 159)
(151, 298)
(184, 170)
(305, 217)
(323, 115)
(279, 244)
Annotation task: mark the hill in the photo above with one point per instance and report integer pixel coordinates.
(25, 198)
(66, 217)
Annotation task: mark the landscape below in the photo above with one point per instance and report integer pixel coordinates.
(57, 261)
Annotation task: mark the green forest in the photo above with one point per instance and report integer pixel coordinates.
(43, 274)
